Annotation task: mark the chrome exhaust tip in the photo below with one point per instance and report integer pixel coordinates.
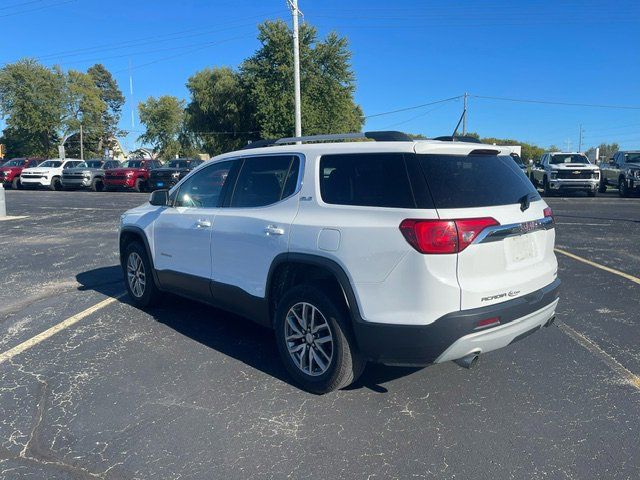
(468, 361)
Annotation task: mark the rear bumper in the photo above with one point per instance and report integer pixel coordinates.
(453, 335)
(162, 184)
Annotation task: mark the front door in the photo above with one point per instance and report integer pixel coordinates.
(182, 232)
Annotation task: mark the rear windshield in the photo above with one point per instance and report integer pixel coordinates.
(372, 179)
(568, 158)
(475, 180)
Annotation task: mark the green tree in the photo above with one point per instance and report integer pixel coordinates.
(218, 112)
(608, 149)
(164, 121)
(113, 98)
(83, 106)
(327, 83)
(32, 102)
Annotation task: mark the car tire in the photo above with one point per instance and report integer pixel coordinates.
(97, 185)
(532, 177)
(546, 187)
(602, 188)
(140, 185)
(15, 184)
(138, 276)
(56, 185)
(623, 191)
(318, 367)
(591, 193)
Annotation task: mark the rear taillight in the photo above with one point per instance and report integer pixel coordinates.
(443, 236)
(548, 213)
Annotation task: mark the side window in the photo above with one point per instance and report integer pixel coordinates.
(265, 180)
(369, 179)
(203, 189)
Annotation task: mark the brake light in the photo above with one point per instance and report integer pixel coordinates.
(443, 236)
(548, 213)
(488, 322)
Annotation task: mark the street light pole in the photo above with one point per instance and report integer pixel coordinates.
(296, 67)
(81, 144)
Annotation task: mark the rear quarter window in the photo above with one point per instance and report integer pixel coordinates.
(475, 180)
(366, 179)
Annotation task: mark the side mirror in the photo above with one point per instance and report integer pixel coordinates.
(159, 198)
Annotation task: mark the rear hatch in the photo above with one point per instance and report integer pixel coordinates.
(510, 251)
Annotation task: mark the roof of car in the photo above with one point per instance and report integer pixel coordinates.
(416, 146)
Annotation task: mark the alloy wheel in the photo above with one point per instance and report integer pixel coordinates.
(136, 275)
(309, 339)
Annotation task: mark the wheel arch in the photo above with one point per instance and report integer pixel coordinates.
(130, 233)
(286, 268)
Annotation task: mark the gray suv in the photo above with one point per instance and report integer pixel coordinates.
(88, 174)
(622, 172)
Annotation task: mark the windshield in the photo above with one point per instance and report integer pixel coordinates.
(91, 164)
(51, 164)
(632, 157)
(178, 164)
(14, 163)
(133, 164)
(560, 158)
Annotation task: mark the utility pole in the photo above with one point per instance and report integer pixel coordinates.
(296, 67)
(81, 144)
(464, 115)
(580, 139)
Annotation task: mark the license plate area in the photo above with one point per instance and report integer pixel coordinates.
(520, 249)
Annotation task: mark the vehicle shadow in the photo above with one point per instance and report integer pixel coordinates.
(229, 334)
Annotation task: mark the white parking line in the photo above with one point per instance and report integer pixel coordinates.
(597, 265)
(27, 344)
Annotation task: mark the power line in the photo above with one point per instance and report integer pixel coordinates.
(38, 8)
(566, 104)
(412, 108)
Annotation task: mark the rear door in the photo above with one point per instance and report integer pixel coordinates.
(511, 258)
(254, 226)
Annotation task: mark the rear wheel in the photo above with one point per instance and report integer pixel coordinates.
(138, 276)
(97, 185)
(315, 341)
(623, 190)
(55, 184)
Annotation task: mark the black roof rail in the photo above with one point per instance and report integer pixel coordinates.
(458, 138)
(378, 136)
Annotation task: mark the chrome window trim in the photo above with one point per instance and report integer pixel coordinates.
(500, 232)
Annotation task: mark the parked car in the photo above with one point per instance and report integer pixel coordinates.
(10, 170)
(89, 174)
(48, 173)
(399, 252)
(171, 173)
(131, 175)
(558, 172)
(622, 172)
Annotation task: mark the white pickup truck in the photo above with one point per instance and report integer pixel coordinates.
(558, 172)
(48, 173)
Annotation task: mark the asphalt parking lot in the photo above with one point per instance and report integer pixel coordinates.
(185, 391)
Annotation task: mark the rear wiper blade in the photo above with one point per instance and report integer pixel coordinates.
(524, 202)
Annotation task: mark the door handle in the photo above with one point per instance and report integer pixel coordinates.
(274, 230)
(201, 223)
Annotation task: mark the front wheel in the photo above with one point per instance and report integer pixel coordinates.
(97, 185)
(547, 187)
(55, 185)
(138, 276)
(623, 190)
(603, 186)
(15, 184)
(591, 193)
(140, 185)
(315, 341)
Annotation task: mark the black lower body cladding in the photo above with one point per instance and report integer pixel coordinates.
(419, 345)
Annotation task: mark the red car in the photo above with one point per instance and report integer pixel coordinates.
(10, 171)
(132, 175)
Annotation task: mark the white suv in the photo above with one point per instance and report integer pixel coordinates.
(394, 251)
(48, 173)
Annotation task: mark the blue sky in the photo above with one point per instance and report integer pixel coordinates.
(404, 54)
